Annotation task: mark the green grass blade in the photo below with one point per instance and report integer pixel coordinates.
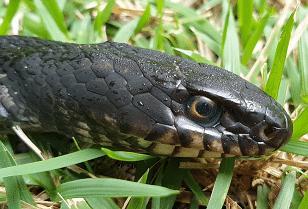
(186, 41)
(139, 202)
(144, 19)
(202, 25)
(222, 184)
(102, 203)
(16, 188)
(283, 91)
(56, 13)
(193, 185)
(273, 83)
(33, 24)
(209, 4)
(156, 43)
(51, 164)
(13, 193)
(261, 6)
(84, 31)
(254, 38)
(10, 12)
(296, 147)
(193, 56)
(194, 203)
(245, 10)
(50, 24)
(126, 156)
(20, 185)
(44, 179)
(286, 193)
(160, 6)
(296, 199)
(143, 166)
(294, 77)
(126, 31)
(103, 16)
(142, 42)
(181, 9)
(104, 187)
(167, 46)
(81, 205)
(172, 179)
(303, 61)
(300, 125)
(231, 48)
(156, 201)
(262, 198)
(304, 201)
(209, 42)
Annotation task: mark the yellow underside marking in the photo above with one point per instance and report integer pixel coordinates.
(187, 152)
(168, 150)
(163, 149)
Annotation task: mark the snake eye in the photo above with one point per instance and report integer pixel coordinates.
(203, 111)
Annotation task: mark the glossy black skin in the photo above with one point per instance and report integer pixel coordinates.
(118, 95)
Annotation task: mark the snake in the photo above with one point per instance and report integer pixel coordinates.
(137, 99)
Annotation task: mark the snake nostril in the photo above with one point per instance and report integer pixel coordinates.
(269, 132)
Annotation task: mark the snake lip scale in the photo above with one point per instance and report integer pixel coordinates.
(142, 100)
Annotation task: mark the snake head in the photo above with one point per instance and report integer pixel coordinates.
(244, 121)
(218, 114)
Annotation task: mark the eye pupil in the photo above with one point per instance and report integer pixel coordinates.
(203, 108)
(203, 111)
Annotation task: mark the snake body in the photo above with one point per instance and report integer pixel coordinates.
(139, 99)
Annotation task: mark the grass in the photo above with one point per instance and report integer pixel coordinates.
(250, 38)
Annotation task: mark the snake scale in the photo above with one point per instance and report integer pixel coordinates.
(138, 99)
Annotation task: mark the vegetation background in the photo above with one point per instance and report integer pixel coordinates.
(265, 42)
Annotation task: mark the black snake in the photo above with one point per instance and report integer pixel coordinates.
(139, 99)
